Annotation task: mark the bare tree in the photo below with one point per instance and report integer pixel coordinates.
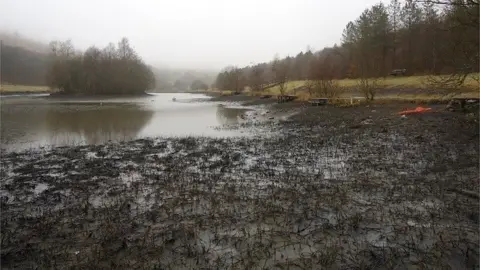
(321, 78)
(236, 76)
(280, 70)
(459, 50)
(394, 12)
(256, 79)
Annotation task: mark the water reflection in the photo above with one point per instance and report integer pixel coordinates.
(229, 116)
(19, 123)
(98, 124)
(28, 122)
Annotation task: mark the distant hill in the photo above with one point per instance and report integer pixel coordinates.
(23, 67)
(180, 79)
(17, 40)
(25, 62)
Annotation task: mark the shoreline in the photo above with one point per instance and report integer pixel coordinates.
(19, 93)
(53, 94)
(90, 96)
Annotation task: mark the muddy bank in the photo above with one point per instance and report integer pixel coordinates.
(334, 188)
(23, 93)
(59, 95)
(80, 96)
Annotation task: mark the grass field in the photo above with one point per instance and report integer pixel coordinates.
(417, 82)
(10, 88)
(393, 88)
(410, 82)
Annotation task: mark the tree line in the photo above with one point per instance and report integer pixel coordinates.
(423, 37)
(111, 70)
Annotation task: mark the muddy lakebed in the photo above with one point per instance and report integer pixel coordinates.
(312, 188)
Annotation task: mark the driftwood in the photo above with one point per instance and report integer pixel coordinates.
(318, 101)
(461, 103)
(285, 98)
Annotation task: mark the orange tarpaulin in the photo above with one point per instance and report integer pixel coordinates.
(416, 110)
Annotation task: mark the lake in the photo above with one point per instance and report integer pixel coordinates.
(30, 122)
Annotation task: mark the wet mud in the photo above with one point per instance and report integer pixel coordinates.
(322, 188)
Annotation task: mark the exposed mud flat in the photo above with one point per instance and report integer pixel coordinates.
(333, 188)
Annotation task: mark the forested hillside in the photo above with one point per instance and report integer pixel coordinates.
(22, 64)
(17, 40)
(422, 37)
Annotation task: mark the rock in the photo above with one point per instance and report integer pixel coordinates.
(411, 223)
(367, 122)
(414, 259)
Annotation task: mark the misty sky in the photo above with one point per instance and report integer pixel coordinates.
(209, 34)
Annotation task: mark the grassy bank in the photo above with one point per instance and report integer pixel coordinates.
(412, 88)
(416, 82)
(10, 89)
(407, 82)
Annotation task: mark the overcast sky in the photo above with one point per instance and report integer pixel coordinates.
(208, 34)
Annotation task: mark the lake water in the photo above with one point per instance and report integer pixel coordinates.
(29, 122)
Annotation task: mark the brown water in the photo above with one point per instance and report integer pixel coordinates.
(29, 122)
